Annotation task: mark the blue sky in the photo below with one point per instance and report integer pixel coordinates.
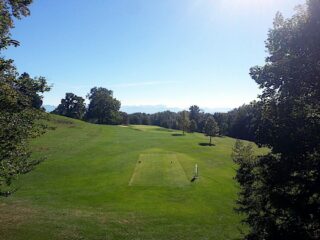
(170, 52)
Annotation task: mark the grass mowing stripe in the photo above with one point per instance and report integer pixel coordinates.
(134, 173)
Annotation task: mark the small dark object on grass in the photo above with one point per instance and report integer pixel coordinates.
(206, 144)
(177, 135)
(193, 179)
(171, 161)
(139, 161)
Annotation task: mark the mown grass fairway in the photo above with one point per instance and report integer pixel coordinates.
(158, 169)
(92, 186)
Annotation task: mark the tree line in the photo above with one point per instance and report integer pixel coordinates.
(103, 108)
(241, 122)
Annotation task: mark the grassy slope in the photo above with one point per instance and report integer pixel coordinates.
(82, 189)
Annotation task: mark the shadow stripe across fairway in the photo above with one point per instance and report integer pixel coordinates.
(158, 169)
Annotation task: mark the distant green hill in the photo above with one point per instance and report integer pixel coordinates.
(117, 182)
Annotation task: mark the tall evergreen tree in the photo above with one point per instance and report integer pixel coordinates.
(195, 114)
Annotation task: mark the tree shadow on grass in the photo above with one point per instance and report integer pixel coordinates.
(206, 144)
(136, 129)
(177, 135)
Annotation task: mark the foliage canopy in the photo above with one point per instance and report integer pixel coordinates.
(280, 192)
(20, 103)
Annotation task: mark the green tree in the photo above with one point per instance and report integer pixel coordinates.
(202, 121)
(20, 103)
(243, 121)
(184, 121)
(71, 106)
(124, 118)
(222, 121)
(193, 126)
(20, 112)
(103, 107)
(194, 114)
(211, 128)
(11, 9)
(282, 198)
(166, 119)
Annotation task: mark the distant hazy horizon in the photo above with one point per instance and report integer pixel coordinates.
(151, 109)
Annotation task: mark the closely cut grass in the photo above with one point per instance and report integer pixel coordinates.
(81, 190)
(158, 170)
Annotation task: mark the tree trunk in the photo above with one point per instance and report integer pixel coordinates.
(210, 140)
